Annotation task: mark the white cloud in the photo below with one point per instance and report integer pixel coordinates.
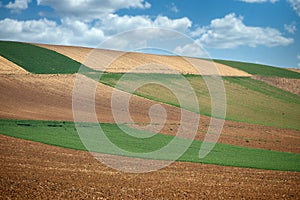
(291, 28)
(113, 23)
(191, 50)
(295, 5)
(18, 5)
(259, 1)
(45, 31)
(298, 57)
(75, 32)
(231, 32)
(91, 9)
(198, 31)
(181, 24)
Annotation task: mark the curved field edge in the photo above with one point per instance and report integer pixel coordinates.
(258, 69)
(248, 100)
(64, 134)
(39, 60)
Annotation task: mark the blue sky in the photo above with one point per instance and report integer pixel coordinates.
(259, 31)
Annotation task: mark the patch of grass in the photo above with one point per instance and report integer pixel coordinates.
(264, 88)
(248, 100)
(262, 70)
(64, 134)
(259, 103)
(39, 60)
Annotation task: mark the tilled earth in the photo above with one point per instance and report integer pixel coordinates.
(31, 170)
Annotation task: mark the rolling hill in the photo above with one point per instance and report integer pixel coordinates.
(37, 84)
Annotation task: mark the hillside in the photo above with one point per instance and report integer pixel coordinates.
(35, 88)
(125, 61)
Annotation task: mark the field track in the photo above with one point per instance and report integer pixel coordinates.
(126, 61)
(31, 170)
(40, 97)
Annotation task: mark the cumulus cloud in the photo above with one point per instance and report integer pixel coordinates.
(298, 57)
(89, 9)
(181, 24)
(72, 31)
(18, 5)
(295, 5)
(45, 31)
(114, 23)
(197, 31)
(191, 50)
(291, 28)
(259, 1)
(231, 32)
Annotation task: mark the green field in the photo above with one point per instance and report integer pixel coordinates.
(248, 100)
(262, 70)
(39, 60)
(64, 134)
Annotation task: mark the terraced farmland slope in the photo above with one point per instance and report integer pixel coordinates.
(252, 106)
(248, 100)
(55, 97)
(45, 99)
(126, 61)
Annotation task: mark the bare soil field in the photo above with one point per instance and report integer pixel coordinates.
(41, 97)
(288, 84)
(8, 67)
(120, 62)
(31, 170)
(294, 69)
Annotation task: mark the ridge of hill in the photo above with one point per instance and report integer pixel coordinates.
(100, 59)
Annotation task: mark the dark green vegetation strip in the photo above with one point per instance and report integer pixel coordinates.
(262, 70)
(39, 60)
(248, 100)
(64, 134)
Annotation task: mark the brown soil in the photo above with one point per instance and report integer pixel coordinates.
(31, 170)
(123, 62)
(8, 67)
(288, 84)
(49, 97)
(294, 70)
